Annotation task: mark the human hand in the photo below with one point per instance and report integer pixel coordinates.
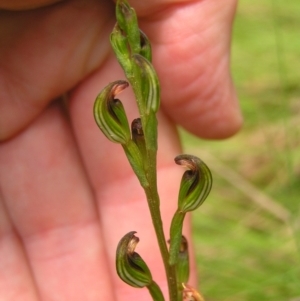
(67, 194)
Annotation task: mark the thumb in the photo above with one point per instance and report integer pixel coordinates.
(191, 44)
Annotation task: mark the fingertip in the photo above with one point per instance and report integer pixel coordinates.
(221, 122)
(216, 115)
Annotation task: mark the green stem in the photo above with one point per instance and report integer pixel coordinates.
(154, 207)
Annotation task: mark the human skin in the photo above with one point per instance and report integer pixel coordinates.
(67, 195)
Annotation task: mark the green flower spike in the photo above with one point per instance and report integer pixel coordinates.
(110, 115)
(132, 269)
(133, 51)
(195, 186)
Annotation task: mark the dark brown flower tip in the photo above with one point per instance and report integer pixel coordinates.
(137, 128)
(117, 88)
(189, 161)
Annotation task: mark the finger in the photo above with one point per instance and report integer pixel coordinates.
(191, 45)
(15, 275)
(45, 52)
(122, 203)
(204, 97)
(47, 194)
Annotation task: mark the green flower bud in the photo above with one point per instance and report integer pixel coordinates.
(195, 183)
(127, 20)
(194, 188)
(149, 84)
(137, 130)
(119, 43)
(131, 268)
(145, 51)
(110, 115)
(138, 136)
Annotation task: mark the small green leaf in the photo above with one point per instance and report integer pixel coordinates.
(155, 292)
(183, 264)
(136, 161)
(195, 184)
(149, 84)
(131, 268)
(110, 115)
(176, 236)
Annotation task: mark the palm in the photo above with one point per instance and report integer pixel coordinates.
(68, 195)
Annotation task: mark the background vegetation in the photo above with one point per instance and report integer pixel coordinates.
(247, 233)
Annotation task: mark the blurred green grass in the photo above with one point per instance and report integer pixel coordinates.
(247, 233)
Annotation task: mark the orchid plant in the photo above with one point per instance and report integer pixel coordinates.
(139, 141)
